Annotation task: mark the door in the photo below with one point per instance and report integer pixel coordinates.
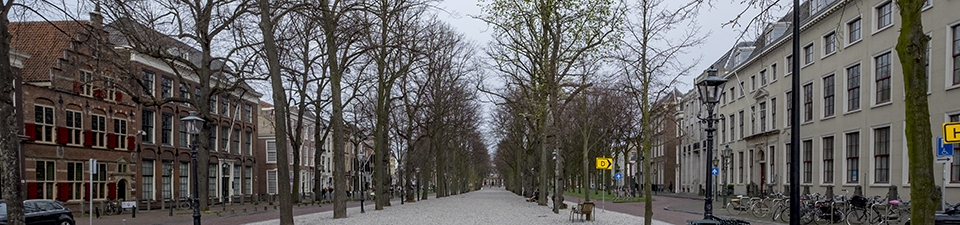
(122, 189)
(763, 176)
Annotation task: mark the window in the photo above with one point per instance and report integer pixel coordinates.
(46, 171)
(120, 129)
(213, 104)
(741, 124)
(753, 83)
(883, 78)
(248, 113)
(271, 181)
(881, 154)
(146, 77)
(166, 87)
(733, 127)
(773, 161)
(763, 77)
(853, 88)
(828, 160)
(43, 117)
(121, 168)
(224, 106)
(733, 93)
(808, 102)
(763, 116)
(956, 54)
(753, 120)
(224, 138)
(147, 179)
(235, 147)
(853, 31)
(773, 71)
(75, 180)
(789, 108)
(212, 139)
(789, 69)
(271, 152)
(184, 179)
(86, 80)
(248, 144)
(235, 183)
(741, 89)
(808, 54)
(98, 129)
(828, 95)
(807, 161)
(829, 43)
(167, 179)
(184, 136)
(247, 182)
(74, 127)
(236, 111)
(184, 93)
(853, 156)
(773, 113)
(212, 179)
(740, 179)
(166, 124)
(147, 125)
(884, 15)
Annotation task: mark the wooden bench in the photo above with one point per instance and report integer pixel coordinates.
(584, 211)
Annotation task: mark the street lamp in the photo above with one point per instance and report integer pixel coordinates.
(362, 185)
(709, 89)
(193, 124)
(727, 159)
(418, 183)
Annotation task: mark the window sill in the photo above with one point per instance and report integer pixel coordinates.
(829, 54)
(888, 26)
(851, 112)
(851, 184)
(828, 118)
(853, 43)
(881, 104)
(880, 185)
(806, 123)
(806, 65)
(951, 87)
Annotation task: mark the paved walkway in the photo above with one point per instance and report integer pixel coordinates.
(487, 206)
(718, 210)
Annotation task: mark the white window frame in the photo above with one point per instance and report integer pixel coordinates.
(823, 165)
(873, 78)
(267, 150)
(773, 72)
(813, 53)
(948, 57)
(849, 41)
(825, 53)
(99, 136)
(76, 131)
(275, 183)
(876, 17)
(846, 87)
(813, 102)
(846, 176)
(823, 95)
(872, 155)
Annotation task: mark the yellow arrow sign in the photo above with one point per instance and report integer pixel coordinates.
(951, 132)
(604, 163)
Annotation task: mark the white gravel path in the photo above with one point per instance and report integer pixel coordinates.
(488, 206)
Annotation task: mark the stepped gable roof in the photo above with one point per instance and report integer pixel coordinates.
(45, 42)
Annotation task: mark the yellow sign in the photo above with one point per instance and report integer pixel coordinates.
(604, 163)
(951, 132)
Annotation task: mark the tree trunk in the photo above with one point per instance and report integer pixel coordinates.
(9, 137)
(912, 45)
(280, 115)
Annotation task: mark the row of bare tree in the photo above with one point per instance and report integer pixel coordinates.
(389, 68)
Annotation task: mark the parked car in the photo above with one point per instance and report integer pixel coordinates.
(41, 212)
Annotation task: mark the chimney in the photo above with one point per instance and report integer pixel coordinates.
(96, 19)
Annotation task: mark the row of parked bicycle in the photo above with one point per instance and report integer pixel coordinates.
(816, 208)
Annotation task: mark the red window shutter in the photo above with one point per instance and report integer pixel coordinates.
(63, 135)
(63, 192)
(32, 191)
(77, 87)
(130, 141)
(86, 191)
(88, 138)
(112, 191)
(30, 131)
(119, 96)
(111, 141)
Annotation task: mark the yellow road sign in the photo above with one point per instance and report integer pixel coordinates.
(604, 163)
(951, 132)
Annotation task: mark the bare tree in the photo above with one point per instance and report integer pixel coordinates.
(10, 135)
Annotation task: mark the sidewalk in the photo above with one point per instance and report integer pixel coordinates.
(718, 210)
(216, 215)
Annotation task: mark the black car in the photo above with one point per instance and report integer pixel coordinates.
(41, 212)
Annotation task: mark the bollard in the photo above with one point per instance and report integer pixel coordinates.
(97, 212)
(124, 221)
(148, 205)
(134, 212)
(171, 211)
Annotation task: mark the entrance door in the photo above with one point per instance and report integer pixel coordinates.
(122, 189)
(763, 176)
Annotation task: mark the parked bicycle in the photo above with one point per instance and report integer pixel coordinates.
(738, 205)
(183, 203)
(113, 208)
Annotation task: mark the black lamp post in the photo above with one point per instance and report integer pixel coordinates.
(709, 89)
(727, 159)
(360, 171)
(193, 124)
